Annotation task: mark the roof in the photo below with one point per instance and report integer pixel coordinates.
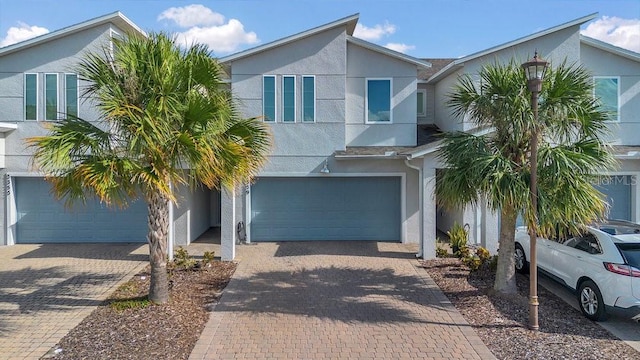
(392, 53)
(631, 55)
(116, 18)
(436, 65)
(460, 62)
(349, 21)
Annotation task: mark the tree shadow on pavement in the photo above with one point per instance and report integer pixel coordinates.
(98, 251)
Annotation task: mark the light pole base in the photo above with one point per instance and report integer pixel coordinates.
(533, 313)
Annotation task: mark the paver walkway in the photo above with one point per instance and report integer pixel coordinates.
(46, 290)
(335, 300)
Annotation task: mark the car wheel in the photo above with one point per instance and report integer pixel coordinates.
(522, 266)
(590, 301)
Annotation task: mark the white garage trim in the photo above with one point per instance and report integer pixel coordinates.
(403, 194)
(11, 212)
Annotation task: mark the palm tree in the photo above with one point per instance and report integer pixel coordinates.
(166, 119)
(493, 165)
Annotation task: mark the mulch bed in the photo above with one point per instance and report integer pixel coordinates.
(167, 331)
(501, 322)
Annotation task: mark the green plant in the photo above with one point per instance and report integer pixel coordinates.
(493, 263)
(462, 252)
(208, 257)
(124, 304)
(483, 254)
(182, 259)
(473, 262)
(441, 252)
(458, 236)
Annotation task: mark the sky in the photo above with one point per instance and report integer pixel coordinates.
(420, 28)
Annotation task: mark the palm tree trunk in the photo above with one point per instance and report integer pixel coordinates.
(158, 206)
(505, 282)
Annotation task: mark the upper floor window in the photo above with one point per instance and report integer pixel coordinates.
(71, 95)
(607, 89)
(378, 101)
(51, 96)
(288, 98)
(30, 96)
(269, 97)
(309, 98)
(421, 102)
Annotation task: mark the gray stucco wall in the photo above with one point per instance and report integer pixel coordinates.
(554, 47)
(362, 64)
(192, 214)
(603, 63)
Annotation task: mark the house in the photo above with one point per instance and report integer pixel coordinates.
(353, 123)
(38, 84)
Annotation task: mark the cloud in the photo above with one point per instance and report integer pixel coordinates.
(203, 25)
(399, 47)
(192, 15)
(624, 33)
(22, 32)
(374, 33)
(220, 39)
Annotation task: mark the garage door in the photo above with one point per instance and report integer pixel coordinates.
(42, 219)
(315, 208)
(617, 189)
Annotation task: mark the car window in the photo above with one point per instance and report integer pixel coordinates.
(631, 253)
(587, 243)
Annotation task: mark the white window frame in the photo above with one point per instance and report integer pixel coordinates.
(57, 116)
(422, 93)
(66, 100)
(275, 99)
(314, 99)
(24, 92)
(295, 108)
(366, 101)
(617, 119)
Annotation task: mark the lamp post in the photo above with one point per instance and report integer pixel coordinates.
(534, 70)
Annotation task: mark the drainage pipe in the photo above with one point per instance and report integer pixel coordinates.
(420, 253)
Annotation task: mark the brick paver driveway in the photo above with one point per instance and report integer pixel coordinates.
(46, 290)
(335, 300)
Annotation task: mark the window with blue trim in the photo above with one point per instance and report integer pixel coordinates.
(308, 98)
(30, 96)
(288, 98)
(269, 98)
(71, 95)
(51, 96)
(378, 97)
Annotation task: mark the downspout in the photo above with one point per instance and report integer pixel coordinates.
(171, 236)
(420, 253)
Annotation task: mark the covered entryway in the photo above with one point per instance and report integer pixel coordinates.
(326, 208)
(40, 218)
(617, 190)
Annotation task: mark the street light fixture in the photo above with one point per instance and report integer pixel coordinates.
(534, 70)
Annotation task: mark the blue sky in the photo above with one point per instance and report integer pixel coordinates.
(426, 28)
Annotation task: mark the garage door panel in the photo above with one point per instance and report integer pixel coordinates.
(344, 208)
(43, 219)
(617, 191)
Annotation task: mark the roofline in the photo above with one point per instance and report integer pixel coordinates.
(117, 18)
(631, 55)
(349, 21)
(388, 52)
(460, 62)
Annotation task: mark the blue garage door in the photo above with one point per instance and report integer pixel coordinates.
(617, 190)
(43, 219)
(315, 208)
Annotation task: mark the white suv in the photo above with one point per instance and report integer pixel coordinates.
(602, 265)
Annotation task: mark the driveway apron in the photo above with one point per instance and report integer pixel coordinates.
(46, 290)
(335, 300)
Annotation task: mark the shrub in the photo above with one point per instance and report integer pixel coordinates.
(208, 257)
(458, 236)
(473, 262)
(483, 254)
(462, 252)
(182, 259)
(493, 263)
(441, 252)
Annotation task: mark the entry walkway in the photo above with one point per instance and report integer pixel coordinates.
(335, 300)
(46, 290)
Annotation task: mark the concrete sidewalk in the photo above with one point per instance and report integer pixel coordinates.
(46, 290)
(335, 300)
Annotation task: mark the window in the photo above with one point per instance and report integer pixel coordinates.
(71, 95)
(378, 101)
(269, 98)
(606, 90)
(51, 96)
(309, 98)
(421, 109)
(30, 96)
(288, 98)
(587, 243)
